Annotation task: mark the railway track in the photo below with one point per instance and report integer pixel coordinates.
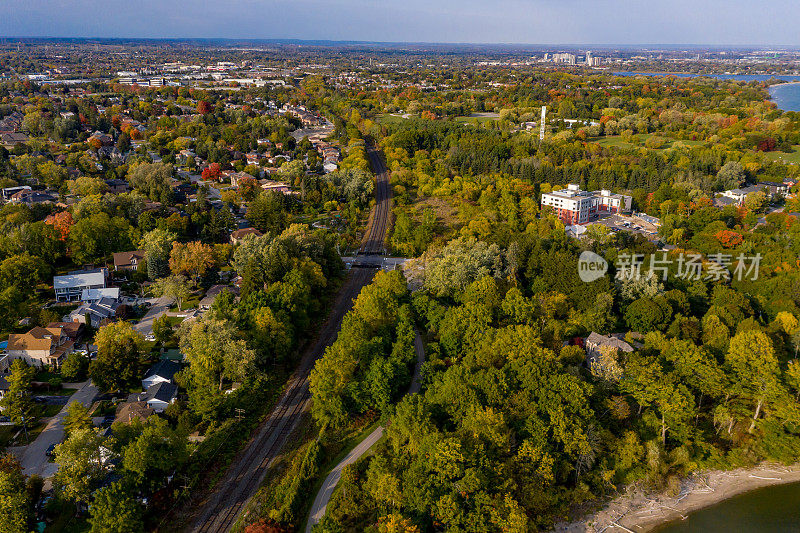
(374, 243)
(247, 472)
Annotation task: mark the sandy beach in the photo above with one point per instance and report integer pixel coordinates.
(638, 511)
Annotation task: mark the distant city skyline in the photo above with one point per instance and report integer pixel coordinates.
(577, 22)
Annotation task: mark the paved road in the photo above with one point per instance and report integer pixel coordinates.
(34, 456)
(158, 308)
(328, 486)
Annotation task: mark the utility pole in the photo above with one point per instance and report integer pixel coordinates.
(541, 123)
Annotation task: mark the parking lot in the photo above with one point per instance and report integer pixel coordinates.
(630, 224)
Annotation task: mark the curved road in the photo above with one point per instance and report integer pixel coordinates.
(221, 508)
(326, 491)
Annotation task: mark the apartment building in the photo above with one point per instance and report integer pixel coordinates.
(574, 206)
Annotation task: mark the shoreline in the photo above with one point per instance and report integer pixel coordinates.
(639, 511)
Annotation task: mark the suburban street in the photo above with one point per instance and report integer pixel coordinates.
(328, 486)
(159, 307)
(34, 456)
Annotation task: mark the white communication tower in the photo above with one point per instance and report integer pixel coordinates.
(541, 123)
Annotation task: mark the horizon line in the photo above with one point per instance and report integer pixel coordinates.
(406, 43)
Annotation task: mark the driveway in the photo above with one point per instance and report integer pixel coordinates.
(34, 456)
(158, 308)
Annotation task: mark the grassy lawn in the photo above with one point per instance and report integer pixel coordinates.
(615, 141)
(174, 320)
(793, 158)
(477, 118)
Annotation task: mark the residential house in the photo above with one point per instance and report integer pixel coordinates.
(94, 295)
(239, 234)
(117, 186)
(73, 330)
(771, 189)
(213, 292)
(128, 260)
(129, 411)
(95, 314)
(40, 346)
(275, 186)
(237, 177)
(159, 396)
(29, 197)
(162, 372)
(596, 343)
(10, 140)
(8, 192)
(102, 138)
(69, 287)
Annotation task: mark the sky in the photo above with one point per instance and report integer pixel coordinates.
(701, 22)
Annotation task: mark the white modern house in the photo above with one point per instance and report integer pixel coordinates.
(70, 287)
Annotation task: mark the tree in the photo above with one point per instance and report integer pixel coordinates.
(755, 201)
(155, 454)
(266, 213)
(162, 329)
(16, 402)
(82, 460)
(449, 270)
(176, 287)
(94, 238)
(14, 502)
(203, 107)
(211, 172)
(193, 258)
(731, 175)
(115, 510)
(75, 366)
(157, 245)
(119, 351)
(85, 186)
(154, 180)
(77, 418)
(214, 354)
(61, 222)
(22, 271)
(753, 360)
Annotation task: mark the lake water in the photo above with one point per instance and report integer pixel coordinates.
(786, 95)
(767, 510)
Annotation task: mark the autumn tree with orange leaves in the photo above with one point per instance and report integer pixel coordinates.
(192, 258)
(61, 222)
(728, 239)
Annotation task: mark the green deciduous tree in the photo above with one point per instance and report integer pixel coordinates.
(115, 510)
(119, 352)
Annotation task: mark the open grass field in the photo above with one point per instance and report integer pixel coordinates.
(388, 118)
(792, 158)
(615, 141)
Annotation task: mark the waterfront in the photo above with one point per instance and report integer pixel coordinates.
(773, 509)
